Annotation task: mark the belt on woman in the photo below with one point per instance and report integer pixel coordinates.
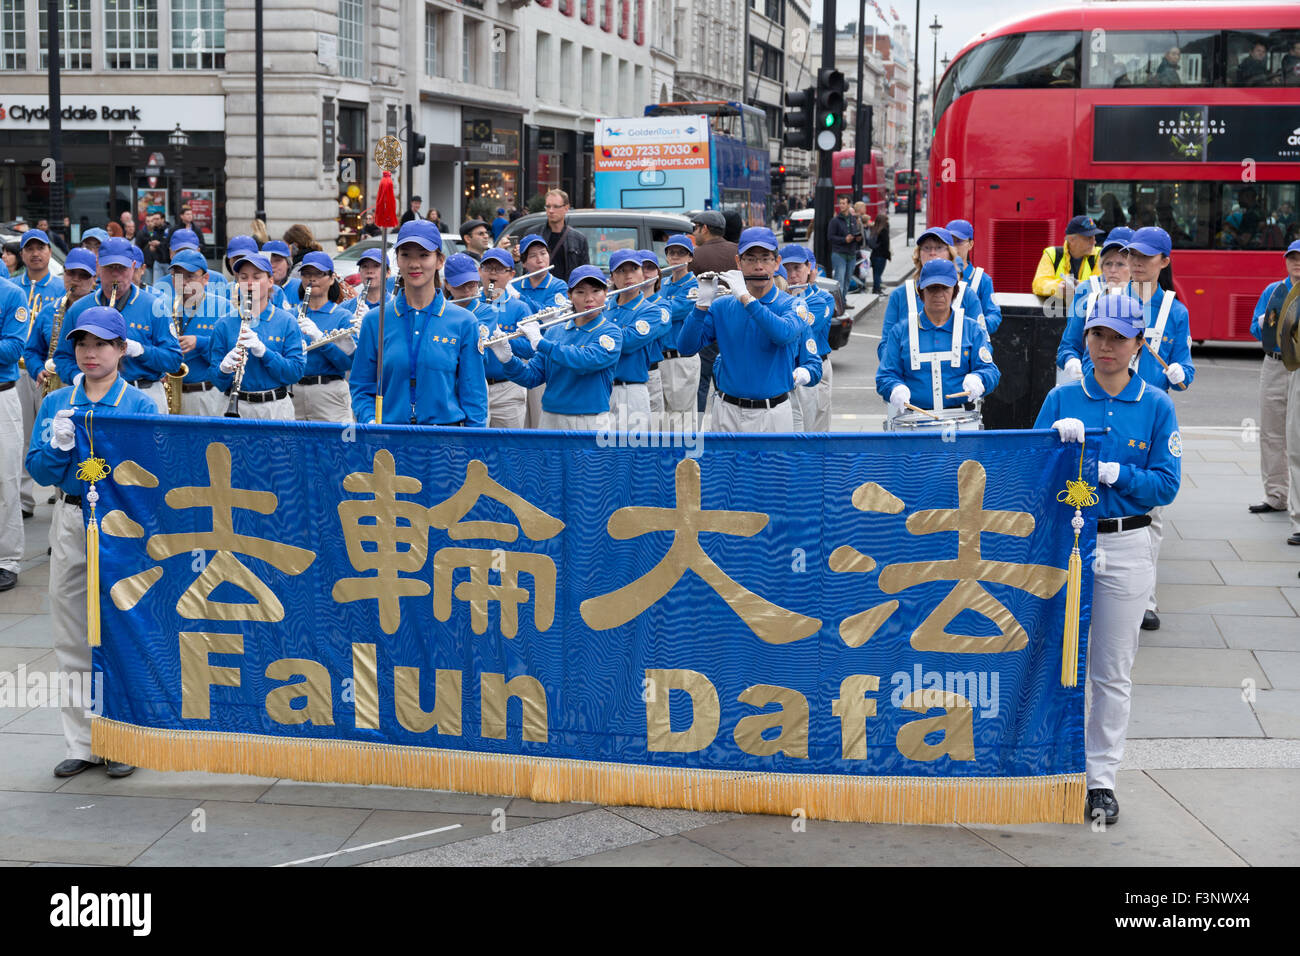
(319, 379)
(144, 382)
(1273, 355)
(672, 353)
(753, 402)
(652, 366)
(5, 386)
(71, 499)
(623, 381)
(1112, 525)
(497, 381)
(190, 387)
(271, 395)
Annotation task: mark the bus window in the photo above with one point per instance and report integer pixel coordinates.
(1264, 58)
(1258, 216)
(1197, 214)
(1023, 60)
(1153, 58)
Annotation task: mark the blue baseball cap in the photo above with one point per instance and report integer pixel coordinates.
(587, 274)
(529, 240)
(372, 255)
(33, 235)
(188, 259)
(1151, 241)
(500, 256)
(259, 261)
(648, 258)
(460, 269)
(759, 236)
(277, 247)
(99, 235)
(421, 232)
(317, 260)
(82, 259)
(682, 240)
(102, 321)
(1117, 238)
(1294, 247)
(137, 254)
(1120, 312)
(780, 271)
(794, 253)
(1083, 226)
(961, 229)
(116, 251)
(939, 232)
(622, 257)
(240, 245)
(184, 239)
(937, 272)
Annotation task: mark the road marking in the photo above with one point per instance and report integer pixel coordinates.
(370, 846)
(865, 335)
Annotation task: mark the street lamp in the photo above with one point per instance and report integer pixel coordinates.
(934, 60)
(134, 139)
(179, 139)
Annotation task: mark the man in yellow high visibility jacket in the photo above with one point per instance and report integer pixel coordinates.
(1063, 267)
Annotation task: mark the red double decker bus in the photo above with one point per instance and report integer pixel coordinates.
(873, 178)
(1179, 115)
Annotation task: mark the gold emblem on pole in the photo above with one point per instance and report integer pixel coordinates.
(388, 153)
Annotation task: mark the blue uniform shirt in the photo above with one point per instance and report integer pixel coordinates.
(14, 323)
(1175, 344)
(148, 321)
(756, 342)
(201, 321)
(1072, 343)
(549, 293)
(37, 349)
(329, 359)
(821, 306)
(1141, 434)
(498, 319)
(896, 312)
(283, 362)
(988, 306)
(448, 384)
(51, 466)
(38, 295)
(896, 364)
(576, 364)
(641, 325)
(664, 325)
(1260, 308)
(679, 306)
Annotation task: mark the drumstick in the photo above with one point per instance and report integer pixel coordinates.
(1163, 363)
(958, 395)
(923, 411)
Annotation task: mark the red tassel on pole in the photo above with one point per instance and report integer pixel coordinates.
(386, 203)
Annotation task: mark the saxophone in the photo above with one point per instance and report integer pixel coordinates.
(173, 382)
(245, 324)
(52, 381)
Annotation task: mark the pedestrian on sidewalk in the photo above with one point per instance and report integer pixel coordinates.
(845, 234)
(877, 238)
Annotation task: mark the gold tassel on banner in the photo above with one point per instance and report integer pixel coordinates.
(1079, 494)
(92, 470)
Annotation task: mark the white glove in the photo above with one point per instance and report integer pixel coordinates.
(310, 329)
(802, 376)
(704, 297)
(512, 290)
(231, 361)
(1070, 429)
(1074, 369)
(502, 351)
(899, 397)
(1175, 374)
(735, 280)
(531, 332)
(1107, 472)
(974, 386)
(250, 341)
(63, 434)
(134, 349)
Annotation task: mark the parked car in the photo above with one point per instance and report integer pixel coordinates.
(608, 230)
(345, 262)
(797, 227)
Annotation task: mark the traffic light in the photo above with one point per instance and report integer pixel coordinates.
(414, 148)
(778, 177)
(829, 118)
(799, 130)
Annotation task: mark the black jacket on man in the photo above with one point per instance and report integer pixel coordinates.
(568, 250)
(839, 230)
(160, 254)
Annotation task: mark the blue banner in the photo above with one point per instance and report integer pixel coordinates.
(828, 622)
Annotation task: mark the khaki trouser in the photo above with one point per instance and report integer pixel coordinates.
(507, 405)
(811, 406)
(68, 617)
(534, 417)
(330, 402)
(1273, 382)
(575, 423)
(681, 384)
(29, 399)
(210, 403)
(159, 396)
(279, 410)
(732, 418)
(630, 406)
(12, 452)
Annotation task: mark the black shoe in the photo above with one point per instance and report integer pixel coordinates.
(115, 769)
(1150, 621)
(1294, 539)
(27, 514)
(72, 766)
(1263, 508)
(1105, 802)
(8, 579)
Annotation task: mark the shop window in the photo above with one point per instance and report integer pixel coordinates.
(198, 34)
(131, 34)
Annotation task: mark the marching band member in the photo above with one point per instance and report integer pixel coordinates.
(680, 374)
(78, 281)
(1138, 469)
(433, 370)
(200, 313)
(369, 266)
(759, 330)
(936, 353)
(179, 241)
(100, 337)
(92, 239)
(811, 405)
(13, 334)
(1279, 404)
(641, 323)
(575, 360)
(935, 243)
(269, 350)
(1072, 353)
(655, 350)
(236, 247)
(507, 401)
(540, 291)
(290, 287)
(976, 279)
(39, 288)
(137, 267)
(151, 349)
(322, 394)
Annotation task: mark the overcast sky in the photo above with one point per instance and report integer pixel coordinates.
(961, 20)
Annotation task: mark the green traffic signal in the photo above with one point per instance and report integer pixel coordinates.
(829, 122)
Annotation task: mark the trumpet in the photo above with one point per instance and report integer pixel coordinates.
(245, 324)
(552, 316)
(173, 382)
(52, 380)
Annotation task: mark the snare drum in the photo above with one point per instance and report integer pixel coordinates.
(959, 419)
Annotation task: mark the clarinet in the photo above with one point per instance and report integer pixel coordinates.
(245, 323)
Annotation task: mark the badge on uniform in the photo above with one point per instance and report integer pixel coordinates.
(21, 314)
(985, 354)
(607, 342)
(801, 310)
(482, 338)
(560, 299)
(1176, 444)
(642, 327)
(812, 347)
(664, 316)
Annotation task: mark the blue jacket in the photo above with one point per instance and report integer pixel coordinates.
(1072, 344)
(447, 385)
(201, 322)
(37, 349)
(14, 324)
(328, 359)
(674, 293)
(988, 306)
(283, 362)
(549, 293)
(821, 306)
(148, 321)
(1260, 308)
(50, 466)
(576, 364)
(641, 324)
(1141, 434)
(662, 328)
(503, 315)
(896, 364)
(756, 342)
(896, 312)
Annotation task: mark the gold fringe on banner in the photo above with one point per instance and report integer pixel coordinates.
(1049, 799)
